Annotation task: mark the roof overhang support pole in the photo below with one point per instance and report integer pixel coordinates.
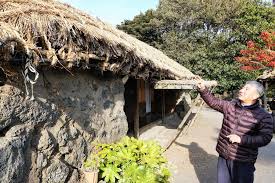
(148, 98)
(163, 106)
(136, 119)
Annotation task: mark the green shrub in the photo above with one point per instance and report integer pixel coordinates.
(131, 161)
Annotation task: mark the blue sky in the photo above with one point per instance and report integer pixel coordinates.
(113, 11)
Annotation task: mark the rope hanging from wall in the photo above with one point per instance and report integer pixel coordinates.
(30, 75)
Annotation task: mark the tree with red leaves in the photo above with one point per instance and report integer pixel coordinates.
(258, 56)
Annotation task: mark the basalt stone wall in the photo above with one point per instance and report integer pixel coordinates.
(47, 140)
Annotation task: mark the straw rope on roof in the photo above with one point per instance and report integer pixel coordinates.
(56, 34)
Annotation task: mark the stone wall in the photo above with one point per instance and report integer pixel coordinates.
(47, 140)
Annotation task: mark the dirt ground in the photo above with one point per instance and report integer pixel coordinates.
(193, 157)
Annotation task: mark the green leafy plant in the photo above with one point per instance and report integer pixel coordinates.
(132, 161)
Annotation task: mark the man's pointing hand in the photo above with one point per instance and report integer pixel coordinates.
(234, 138)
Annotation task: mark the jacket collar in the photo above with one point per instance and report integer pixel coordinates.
(253, 106)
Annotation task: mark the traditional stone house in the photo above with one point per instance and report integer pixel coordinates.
(67, 79)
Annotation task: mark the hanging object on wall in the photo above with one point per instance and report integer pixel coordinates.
(30, 75)
(3, 77)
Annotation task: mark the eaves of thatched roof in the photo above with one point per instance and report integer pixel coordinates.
(56, 34)
(267, 75)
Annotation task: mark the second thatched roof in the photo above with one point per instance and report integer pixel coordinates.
(56, 34)
(267, 75)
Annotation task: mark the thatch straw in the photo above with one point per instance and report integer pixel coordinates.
(56, 33)
(267, 75)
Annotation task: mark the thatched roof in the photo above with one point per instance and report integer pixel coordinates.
(267, 75)
(56, 34)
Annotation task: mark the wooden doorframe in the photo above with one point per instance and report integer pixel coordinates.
(136, 119)
(148, 97)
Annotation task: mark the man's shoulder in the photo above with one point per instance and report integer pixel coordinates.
(233, 102)
(263, 112)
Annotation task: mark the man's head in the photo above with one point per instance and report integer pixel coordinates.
(251, 91)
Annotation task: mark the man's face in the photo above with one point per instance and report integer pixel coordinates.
(248, 93)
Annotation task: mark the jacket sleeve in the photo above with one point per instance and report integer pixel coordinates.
(264, 135)
(213, 102)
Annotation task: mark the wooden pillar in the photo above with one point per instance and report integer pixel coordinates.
(163, 105)
(148, 98)
(136, 119)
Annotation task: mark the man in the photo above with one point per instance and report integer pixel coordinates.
(246, 127)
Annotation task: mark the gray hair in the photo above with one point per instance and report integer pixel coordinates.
(259, 87)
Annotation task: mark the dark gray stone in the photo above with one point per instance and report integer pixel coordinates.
(57, 172)
(42, 161)
(105, 94)
(75, 177)
(46, 143)
(13, 152)
(108, 104)
(63, 120)
(76, 153)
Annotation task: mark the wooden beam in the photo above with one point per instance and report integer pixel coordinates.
(136, 119)
(174, 87)
(181, 84)
(174, 84)
(188, 119)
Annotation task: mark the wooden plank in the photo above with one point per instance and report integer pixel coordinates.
(181, 84)
(174, 87)
(181, 125)
(186, 120)
(174, 84)
(177, 82)
(136, 119)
